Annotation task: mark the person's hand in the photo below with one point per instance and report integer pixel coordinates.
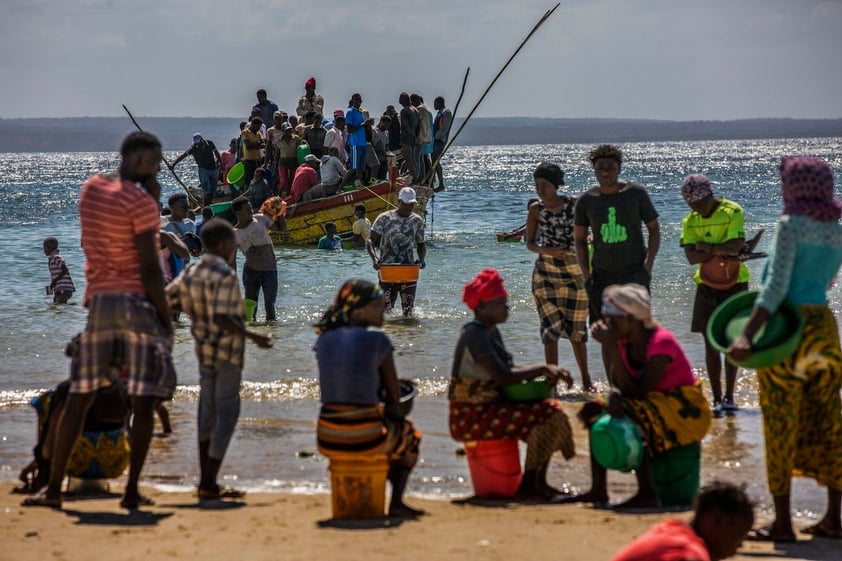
(262, 341)
(615, 405)
(376, 264)
(556, 373)
(601, 332)
(421, 263)
(740, 349)
(151, 185)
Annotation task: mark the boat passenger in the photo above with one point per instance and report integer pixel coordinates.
(481, 366)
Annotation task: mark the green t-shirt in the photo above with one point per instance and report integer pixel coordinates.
(725, 223)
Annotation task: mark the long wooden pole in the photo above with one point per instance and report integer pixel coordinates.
(541, 21)
(164, 158)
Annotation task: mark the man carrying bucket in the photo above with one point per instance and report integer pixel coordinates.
(396, 232)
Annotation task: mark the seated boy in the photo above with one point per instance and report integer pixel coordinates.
(209, 292)
(722, 518)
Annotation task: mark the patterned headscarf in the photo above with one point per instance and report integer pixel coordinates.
(354, 294)
(808, 189)
(628, 300)
(486, 286)
(695, 187)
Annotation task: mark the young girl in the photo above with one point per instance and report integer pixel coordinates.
(355, 368)
(557, 282)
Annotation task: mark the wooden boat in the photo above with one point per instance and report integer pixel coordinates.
(305, 220)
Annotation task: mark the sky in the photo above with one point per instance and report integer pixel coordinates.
(641, 59)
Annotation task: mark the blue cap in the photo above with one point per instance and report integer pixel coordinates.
(197, 138)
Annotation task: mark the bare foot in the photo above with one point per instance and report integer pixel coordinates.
(42, 499)
(824, 529)
(589, 497)
(640, 501)
(771, 534)
(402, 510)
(134, 502)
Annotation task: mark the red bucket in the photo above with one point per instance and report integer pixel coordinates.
(495, 467)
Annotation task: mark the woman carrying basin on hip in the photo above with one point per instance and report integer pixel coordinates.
(481, 367)
(799, 397)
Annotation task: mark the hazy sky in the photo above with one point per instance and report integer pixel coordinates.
(658, 59)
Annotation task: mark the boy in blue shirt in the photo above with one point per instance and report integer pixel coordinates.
(330, 240)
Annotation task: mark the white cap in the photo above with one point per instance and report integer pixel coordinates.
(407, 195)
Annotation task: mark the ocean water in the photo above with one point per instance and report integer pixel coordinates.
(487, 191)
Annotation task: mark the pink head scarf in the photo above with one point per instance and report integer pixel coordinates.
(808, 189)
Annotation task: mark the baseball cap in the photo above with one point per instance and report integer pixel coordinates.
(407, 195)
(197, 138)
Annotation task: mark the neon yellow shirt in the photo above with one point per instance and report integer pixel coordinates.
(725, 223)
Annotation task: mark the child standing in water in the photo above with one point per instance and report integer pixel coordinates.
(61, 285)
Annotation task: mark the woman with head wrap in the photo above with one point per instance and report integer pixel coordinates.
(481, 366)
(356, 376)
(799, 397)
(654, 386)
(710, 234)
(558, 285)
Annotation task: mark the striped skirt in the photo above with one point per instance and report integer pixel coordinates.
(364, 429)
(561, 299)
(802, 412)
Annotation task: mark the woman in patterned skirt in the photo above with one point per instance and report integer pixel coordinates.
(557, 282)
(481, 366)
(799, 397)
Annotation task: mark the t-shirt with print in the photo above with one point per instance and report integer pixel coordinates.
(726, 222)
(398, 236)
(249, 136)
(616, 222)
(256, 245)
(112, 263)
(677, 373)
(349, 364)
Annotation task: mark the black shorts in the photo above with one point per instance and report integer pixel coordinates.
(597, 283)
(707, 299)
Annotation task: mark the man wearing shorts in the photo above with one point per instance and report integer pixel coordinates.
(397, 232)
(209, 162)
(355, 121)
(128, 334)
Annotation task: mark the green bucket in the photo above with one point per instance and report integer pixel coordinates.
(675, 475)
(237, 175)
(219, 208)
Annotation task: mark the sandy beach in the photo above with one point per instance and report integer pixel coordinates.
(272, 526)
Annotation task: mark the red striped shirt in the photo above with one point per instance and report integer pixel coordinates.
(113, 213)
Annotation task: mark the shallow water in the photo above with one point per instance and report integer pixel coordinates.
(487, 192)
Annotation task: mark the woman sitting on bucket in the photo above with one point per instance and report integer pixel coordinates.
(481, 367)
(655, 388)
(355, 368)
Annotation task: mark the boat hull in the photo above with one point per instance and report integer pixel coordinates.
(305, 221)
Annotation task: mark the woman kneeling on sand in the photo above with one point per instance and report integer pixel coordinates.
(655, 387)
(481, 366)
(355, 368)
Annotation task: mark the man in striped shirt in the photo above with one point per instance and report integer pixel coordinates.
(128, 334)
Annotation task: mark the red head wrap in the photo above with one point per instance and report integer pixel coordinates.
(311, 82)
(486, 286)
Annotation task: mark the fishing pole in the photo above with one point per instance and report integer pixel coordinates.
(164, 158)
(541, 21)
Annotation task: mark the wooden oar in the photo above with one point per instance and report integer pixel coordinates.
(164, 158)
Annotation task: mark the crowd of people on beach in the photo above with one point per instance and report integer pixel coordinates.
(307, 154)
(591, 279)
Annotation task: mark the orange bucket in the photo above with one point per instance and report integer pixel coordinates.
(495, 467)
(358, 486)
(399, 273)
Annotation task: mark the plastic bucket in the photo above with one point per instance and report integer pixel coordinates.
(249, 308)
(399, 273)
(219, 208)
(358, 486)
(675, 475)
(237, 175)
(616, 443)
(495, 467)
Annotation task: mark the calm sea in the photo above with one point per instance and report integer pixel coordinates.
(488, 188)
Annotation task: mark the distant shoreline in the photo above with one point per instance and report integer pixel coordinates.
(103, 134)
